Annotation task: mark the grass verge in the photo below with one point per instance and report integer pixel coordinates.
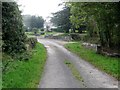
(107, 64)
(25, 74)
(50, 33)
(30, 34)
(74, 71)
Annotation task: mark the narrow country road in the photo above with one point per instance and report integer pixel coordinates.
(58, 75)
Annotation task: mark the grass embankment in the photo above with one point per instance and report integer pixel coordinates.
(108, 64)
(25, 74)
(0, 70)
(0, 59)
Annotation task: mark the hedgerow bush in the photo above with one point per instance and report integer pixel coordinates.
(32, 42)
(13, 35)
(75, 36)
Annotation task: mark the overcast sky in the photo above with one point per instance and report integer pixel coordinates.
(39, 7)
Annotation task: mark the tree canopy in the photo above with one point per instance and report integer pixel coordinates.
(61, 20)
(102, 19)
(33, 21)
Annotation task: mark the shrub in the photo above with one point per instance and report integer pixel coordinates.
(23, 56)
(32, 42)
(6, 60)
(42, 29)
(75, 36)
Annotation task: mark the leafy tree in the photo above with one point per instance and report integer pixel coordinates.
(12, 29)
(77, 17)
(26, 22)
(101, 19)
(37, 22)
(61, 20)
(32, 22)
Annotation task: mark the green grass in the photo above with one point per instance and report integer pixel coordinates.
(74, 71)
(30, 34)
(64, 34)
(25, 74)
(109, 65)
(50, 33)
